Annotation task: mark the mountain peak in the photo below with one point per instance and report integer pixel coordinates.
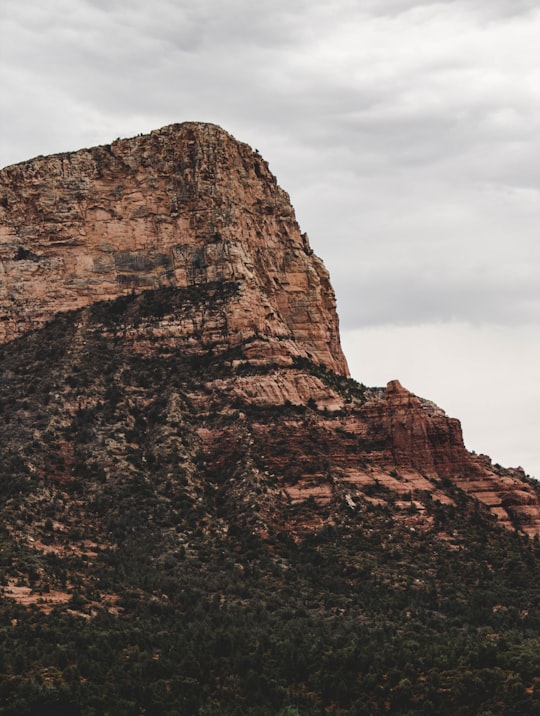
(184, 205)
(179, 245)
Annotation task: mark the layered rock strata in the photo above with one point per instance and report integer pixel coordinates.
(386, 446)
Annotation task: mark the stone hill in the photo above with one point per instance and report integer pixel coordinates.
(180, 246)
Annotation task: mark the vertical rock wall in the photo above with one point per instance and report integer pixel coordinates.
(184, 205)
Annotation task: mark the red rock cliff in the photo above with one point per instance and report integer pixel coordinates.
(186, 204)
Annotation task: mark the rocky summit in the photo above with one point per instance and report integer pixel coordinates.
(201, 510)
(184, 206)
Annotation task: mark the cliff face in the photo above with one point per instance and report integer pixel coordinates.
(192, 342)
(185, 205)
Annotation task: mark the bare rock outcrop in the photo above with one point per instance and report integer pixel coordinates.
(185, 205)
(420, 439)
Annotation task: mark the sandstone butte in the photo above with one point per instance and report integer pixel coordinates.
(188, 205)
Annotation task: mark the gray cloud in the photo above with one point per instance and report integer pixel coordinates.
(497, 9)
(392, 124)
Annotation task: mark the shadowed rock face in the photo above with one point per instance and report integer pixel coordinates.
(185, 205)
(190, 324)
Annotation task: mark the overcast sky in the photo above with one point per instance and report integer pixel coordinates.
(406, 133)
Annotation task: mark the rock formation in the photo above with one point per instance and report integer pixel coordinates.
(179, 250)
(185, 205)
